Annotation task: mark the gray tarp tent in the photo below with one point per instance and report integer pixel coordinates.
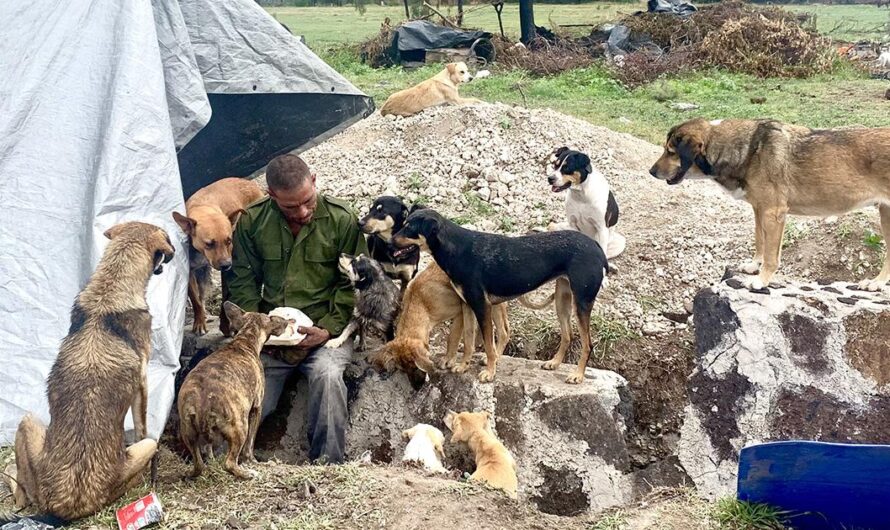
(97, 99)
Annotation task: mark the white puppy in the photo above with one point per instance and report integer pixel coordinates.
(590, 205)
(425, 447)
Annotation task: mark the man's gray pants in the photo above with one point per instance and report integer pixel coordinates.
(328, 416)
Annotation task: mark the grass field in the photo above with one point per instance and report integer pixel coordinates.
(845, 98)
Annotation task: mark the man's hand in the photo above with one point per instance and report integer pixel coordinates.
(314, 337)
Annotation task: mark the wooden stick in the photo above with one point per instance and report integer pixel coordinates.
(444, 18)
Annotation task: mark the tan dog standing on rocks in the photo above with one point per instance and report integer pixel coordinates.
(222, 397)
(438, 90)
(211, 214)
(494, 463)
(79, 464)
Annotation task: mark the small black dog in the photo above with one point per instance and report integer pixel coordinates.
(376, 300)
(489, 269)
(387, 216)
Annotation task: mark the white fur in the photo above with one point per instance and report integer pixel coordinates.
(716, 122)
(420, 448)
(884, 60)
(586, 212)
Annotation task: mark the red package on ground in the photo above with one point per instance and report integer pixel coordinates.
(141, 513)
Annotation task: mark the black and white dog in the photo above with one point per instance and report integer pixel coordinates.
(590, 205)
(376, 300)
(386, 217)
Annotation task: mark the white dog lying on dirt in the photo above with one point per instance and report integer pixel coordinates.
(425, 447)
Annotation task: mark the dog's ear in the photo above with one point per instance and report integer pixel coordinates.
(416, 206)
(279, 325)
(452, 68)
(234, 216)
(451, 420)
(422, 359)
(186, 223)
(408, 433)
(113, 232)
(691, 151)
(430, 226)
(235, 314)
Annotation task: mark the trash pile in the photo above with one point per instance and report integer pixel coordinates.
(673, 36)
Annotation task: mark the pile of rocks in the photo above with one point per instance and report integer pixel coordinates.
(485, 167)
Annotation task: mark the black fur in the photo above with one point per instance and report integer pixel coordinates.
(382, 249)
(691, 155)
(611, 211)
(499, 268)
(122, 324)
(78, 318)
(568, 162)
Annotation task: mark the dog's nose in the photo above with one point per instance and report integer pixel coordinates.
(225, 266)
(469, 78)
(653, 172)
(551, 180)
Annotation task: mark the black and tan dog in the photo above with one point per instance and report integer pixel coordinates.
(490, 269)
(783, 169)
(386, 217)
(222, 397)
(78, 464)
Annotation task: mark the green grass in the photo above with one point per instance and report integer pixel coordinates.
(845, 98)
(849, 22)
(327, 25)
(732, 514)
(612, 521)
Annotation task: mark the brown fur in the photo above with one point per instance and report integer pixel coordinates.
(440, 89)
(785, 169)
(211, 215)
(430, 300)
(222, 397)
(494, 464)
(78, 464)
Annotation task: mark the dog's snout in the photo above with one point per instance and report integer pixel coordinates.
(653, 171)
(551, 180)
(225, 266)
(362, 222)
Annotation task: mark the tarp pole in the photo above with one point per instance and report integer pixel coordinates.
(460, 12)
(407, 12)
(527, 20)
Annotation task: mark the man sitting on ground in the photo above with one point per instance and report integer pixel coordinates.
(285, 253)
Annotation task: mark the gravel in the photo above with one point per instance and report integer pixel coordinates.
(484, 166)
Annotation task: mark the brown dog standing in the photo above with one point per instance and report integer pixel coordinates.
(211, 214)
(494, 463)
(782, 169)
(223, 395)
(79, 464)
(429, 300)
(440, 89)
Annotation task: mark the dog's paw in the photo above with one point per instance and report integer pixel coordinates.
(199, 328)
(872, 285)
(754, 284)
(575, 379)
(486, 376)
(751, 267)
(334, 343)
(550, 365)
(460, 368)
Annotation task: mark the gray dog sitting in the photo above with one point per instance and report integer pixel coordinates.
(376, 300)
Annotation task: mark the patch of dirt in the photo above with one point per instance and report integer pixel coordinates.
(355, 496)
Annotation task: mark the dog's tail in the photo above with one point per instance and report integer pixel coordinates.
(616, 246)
(543, 304)
(47, 519)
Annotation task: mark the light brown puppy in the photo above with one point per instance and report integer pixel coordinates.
(211, 214)
(222, 397)
(79, 464)
(783, 169)
(494, 463)
(440, 89)
(430, 300)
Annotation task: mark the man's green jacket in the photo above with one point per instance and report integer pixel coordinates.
(271, 268)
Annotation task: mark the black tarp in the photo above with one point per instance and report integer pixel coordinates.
(673, 7)
(411, 40)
